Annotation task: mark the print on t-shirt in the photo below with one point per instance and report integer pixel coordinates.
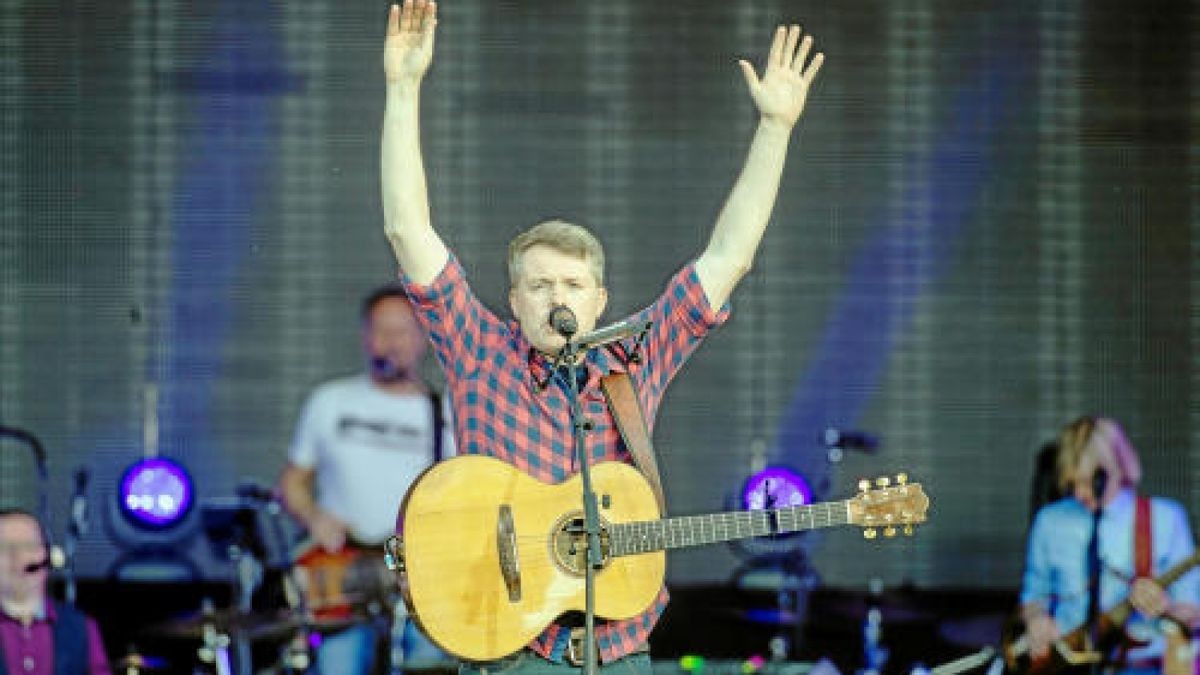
(378, 433)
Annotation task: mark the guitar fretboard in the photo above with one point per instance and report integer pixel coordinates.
(682, 531)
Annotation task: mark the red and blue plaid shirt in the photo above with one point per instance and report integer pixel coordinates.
(494, 373)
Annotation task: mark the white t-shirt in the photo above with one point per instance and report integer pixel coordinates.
(367, 446)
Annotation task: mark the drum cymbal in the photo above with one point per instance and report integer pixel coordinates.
(254, 627)
(770, 616)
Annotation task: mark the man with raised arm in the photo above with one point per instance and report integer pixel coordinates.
(497, 370)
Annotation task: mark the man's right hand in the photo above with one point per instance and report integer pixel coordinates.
(1043, 632)
(327, 531)
(408, 47)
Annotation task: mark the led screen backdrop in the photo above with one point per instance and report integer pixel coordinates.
(988, 226)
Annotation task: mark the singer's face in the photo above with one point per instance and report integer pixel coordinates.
(393, 339)
(1096, 457)
(547, 278)
(21, 545)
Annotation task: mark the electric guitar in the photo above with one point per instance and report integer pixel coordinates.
(1074, 648)
(488, 557)
(965, 663)
(343, 586)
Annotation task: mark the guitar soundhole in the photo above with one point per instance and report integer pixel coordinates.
(568, 543)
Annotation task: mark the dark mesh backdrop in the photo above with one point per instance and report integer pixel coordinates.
(988, 226)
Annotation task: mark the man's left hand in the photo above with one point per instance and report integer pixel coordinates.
(781, 93)
(1149, 598)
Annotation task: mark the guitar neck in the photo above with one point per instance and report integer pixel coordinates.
(679, 532)
(965, 663)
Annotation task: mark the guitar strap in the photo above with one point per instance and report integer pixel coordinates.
(435, 402)
(1179, 655)
(1143, 544)
(631, 422)
(1143, 554)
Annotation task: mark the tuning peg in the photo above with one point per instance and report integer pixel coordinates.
(889, 531)
(901, 478)
(908, 530)
(869, 533)
(883, 481)
(864, 485)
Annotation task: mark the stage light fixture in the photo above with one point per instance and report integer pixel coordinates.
(155, 494)
(776, 487)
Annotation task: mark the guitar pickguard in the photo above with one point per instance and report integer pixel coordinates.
(568, 544)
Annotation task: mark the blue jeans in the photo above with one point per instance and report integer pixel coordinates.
(350, 651)
(525, 662)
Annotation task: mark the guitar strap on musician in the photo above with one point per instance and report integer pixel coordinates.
(1143, 552)
(1143, 542)
(435, 400)
(631, 422)
(1178, 656)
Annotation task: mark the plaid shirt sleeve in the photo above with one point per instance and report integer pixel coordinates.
(454, 318)
(682, 318)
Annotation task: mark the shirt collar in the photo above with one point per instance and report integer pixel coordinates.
(45, 613)
(1122, 502)
(598, 362)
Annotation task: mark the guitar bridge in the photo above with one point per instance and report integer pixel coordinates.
(393, 554)
(506, 549)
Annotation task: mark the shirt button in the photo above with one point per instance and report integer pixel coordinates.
(28, 663)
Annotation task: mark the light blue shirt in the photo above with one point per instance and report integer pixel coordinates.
(1056, 562)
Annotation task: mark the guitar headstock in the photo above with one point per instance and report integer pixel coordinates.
(888, 506)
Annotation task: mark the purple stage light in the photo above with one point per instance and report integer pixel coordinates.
(155, 493)
(776, 487)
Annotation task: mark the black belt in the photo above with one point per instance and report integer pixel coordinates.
(574, 654)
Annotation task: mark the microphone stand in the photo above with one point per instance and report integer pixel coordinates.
(297, 655)
(591, 513)
(76, 528)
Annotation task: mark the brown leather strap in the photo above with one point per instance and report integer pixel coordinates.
(1143, 544)
(627, 412)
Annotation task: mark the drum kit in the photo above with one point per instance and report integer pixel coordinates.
(321, 594)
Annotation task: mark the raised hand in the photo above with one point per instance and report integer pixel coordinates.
(408, 47)
(783, 89)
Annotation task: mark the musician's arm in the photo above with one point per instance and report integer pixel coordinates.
(1185, 614)
(1040, 628)
(295, 488)
(1183, 597)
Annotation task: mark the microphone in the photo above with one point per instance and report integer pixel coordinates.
(848, 440)
(79, 505)
(563, 321)
(255, 492)
(35, 446)
(612, 333)
(385, 369)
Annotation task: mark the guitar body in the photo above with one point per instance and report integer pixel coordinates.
(1018, 661)
(1069, 654)
(474, 525)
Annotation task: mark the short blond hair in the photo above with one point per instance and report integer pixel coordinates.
(1100, 435)
(564, 237)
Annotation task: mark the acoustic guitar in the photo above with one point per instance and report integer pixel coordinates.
(488, 557)
(1074, 648)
